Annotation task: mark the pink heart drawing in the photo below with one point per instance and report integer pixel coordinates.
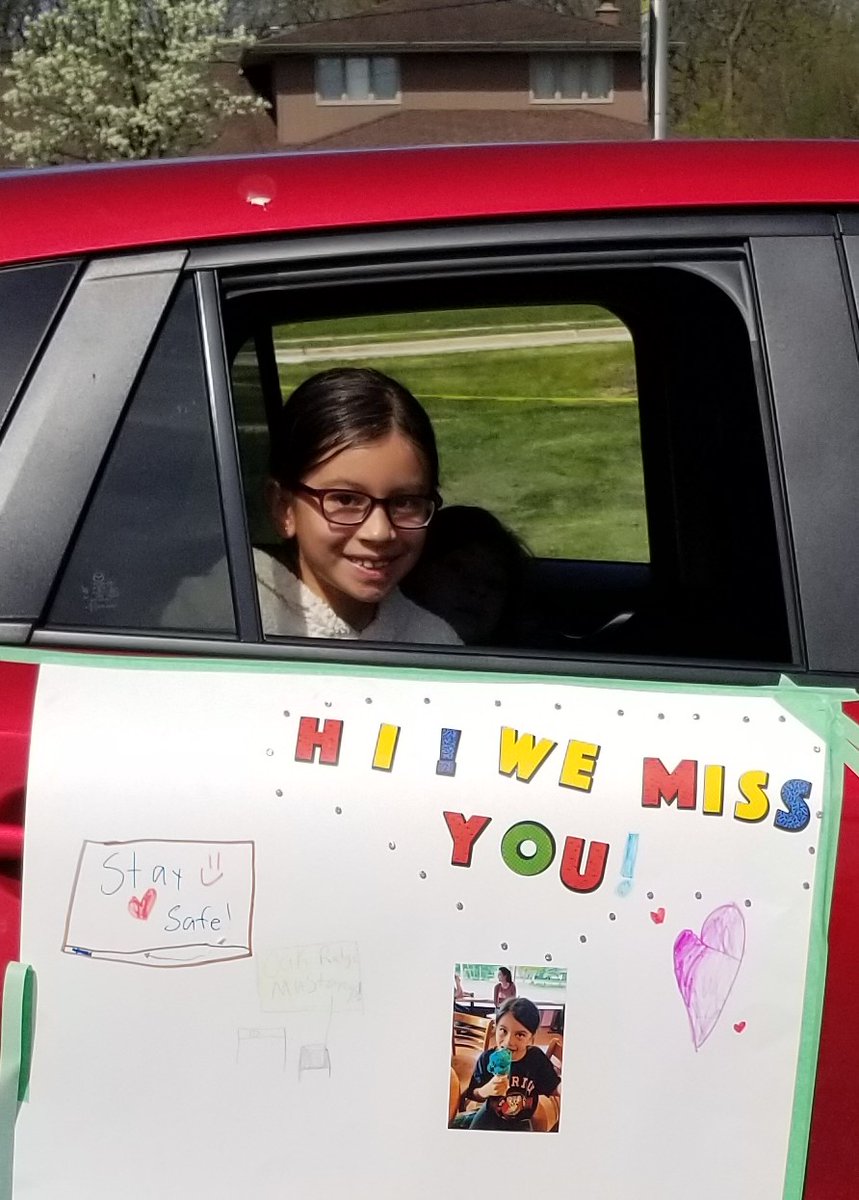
(143, 907)
(658, 917)
(739, 1026)
(706, 968)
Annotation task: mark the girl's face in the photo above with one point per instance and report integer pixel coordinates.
(511, 1035)
(353, 567)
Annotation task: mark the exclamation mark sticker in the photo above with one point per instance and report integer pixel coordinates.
(628, 869)
(446, 764)
(386, 747)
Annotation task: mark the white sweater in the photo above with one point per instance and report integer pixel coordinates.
(290, 609)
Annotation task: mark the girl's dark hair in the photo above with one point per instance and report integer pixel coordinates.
(506, 971)
(524, 1011)
(343, 407)
(467, 525)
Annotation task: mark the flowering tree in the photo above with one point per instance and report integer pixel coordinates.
(97, 80)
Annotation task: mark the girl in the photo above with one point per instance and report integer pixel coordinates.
(509, 1099)
(353, 487)
(505, 988)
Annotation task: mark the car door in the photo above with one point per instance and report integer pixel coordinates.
(629, 801)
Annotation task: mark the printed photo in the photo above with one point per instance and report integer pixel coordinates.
(507, 1047)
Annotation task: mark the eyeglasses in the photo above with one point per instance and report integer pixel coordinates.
(343, 507)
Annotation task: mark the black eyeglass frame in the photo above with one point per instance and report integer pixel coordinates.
(319, 495)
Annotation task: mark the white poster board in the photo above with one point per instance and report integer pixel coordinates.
(333, 854)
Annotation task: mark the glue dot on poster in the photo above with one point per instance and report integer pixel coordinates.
(368, 700)
(497, 703)
(582, 938)
(816, 749)
(338, 810)
(746, 720)
(423, 874)
(806, 885)
(819, 815)
(269, 752)
(286, 712)
(612, 916)
(697, 895)
(460, 905)
(696, 716)
(503, 945)
(650, 895)
(557, 706)
(392, 845)
(782, 718)
(327, 703)
(811, 850)
(278, 791)
(620, 712)
(548, 958)
(661, 716)
(426, 699)
(747, 903)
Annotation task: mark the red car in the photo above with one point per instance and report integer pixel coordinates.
(155, 315)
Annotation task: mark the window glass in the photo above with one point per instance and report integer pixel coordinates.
(29, 298)
(150, 552)
(571, 76)
(386, 77)
(357, 78)
(329, 77)
(598, 430)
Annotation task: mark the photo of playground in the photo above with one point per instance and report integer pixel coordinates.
(507, 1047)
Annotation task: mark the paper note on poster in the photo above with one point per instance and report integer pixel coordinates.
(162, 903)
(304, 978)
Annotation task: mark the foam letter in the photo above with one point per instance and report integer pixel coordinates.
(513, 841)
(755, 806)
(714, 790)
(522, 755)
(580, 762)
(311, 738)
(794, 794)
(386, 747)
(572, 875)
(464, 833)
(660, 784)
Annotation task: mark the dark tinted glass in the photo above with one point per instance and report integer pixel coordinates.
(29, 299)
(150, 554)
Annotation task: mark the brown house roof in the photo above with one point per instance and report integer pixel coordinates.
(421, 25)
(416, 127)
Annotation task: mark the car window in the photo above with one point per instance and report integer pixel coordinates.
(150, 552)
(29, 300)
(619, 433)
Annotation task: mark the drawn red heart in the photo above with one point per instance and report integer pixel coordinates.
(739, 1027)
(143, 907)
(658, 917)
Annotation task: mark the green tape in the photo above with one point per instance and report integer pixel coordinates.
(16, 1055)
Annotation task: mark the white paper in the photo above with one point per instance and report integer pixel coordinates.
(320, 1064)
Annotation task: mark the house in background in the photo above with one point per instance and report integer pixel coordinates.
(412, 72)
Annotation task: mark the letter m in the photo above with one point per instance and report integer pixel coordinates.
(660, 785)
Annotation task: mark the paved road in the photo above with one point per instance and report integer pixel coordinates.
(454, 344)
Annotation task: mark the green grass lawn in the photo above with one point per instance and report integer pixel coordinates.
(546, 438)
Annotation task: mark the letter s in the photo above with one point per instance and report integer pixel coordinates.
(794, 794)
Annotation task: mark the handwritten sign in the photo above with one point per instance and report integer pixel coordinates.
(305, 978)
(162, 903)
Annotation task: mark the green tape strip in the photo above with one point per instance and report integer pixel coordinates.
(16, 1055)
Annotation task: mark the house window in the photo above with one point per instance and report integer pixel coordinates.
(571, 78)
(357, 79)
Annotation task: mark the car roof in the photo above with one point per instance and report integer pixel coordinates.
(85, 210)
